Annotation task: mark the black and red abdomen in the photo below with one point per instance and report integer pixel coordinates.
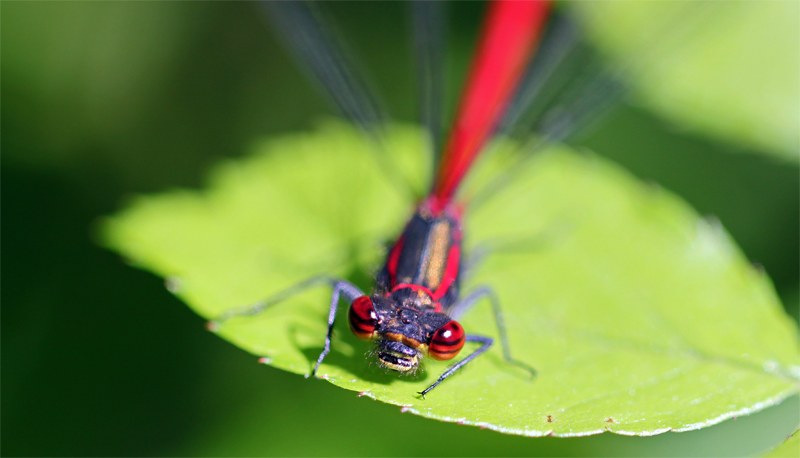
(427, 254)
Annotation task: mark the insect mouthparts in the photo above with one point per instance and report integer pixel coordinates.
(397, 356)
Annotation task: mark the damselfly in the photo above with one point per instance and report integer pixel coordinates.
(417, 301)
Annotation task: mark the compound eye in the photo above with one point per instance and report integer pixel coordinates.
(362, 318)
(447, 341)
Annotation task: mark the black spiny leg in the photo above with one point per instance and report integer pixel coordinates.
(351, 292)
(486, 341)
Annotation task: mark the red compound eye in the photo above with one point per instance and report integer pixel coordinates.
(362, 318)
(447, 341)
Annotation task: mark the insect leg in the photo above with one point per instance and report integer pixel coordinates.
(340, 287)
(351, 292)
(458, 309)
(486, 341)
(260, 306)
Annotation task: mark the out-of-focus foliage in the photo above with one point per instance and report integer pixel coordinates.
(640, 317)
(85, 63)
(727, 69)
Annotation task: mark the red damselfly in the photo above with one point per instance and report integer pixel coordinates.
(417, 301)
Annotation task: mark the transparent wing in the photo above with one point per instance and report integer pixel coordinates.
(568, 86)
(304, 30)
(429, 25)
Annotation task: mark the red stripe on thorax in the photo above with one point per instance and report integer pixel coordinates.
(414, 287)
(450, 273)
(437, 306)
(394, 259)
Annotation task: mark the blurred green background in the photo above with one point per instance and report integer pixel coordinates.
(102, 101)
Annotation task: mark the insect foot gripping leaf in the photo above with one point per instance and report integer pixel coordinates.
(640, 318)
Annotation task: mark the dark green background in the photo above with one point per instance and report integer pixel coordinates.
(102, 101)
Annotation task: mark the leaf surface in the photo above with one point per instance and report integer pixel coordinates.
(640, 316)
(790, 448)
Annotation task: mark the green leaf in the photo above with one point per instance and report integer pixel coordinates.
(640, 316)
(790, 448)
(727, 69)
